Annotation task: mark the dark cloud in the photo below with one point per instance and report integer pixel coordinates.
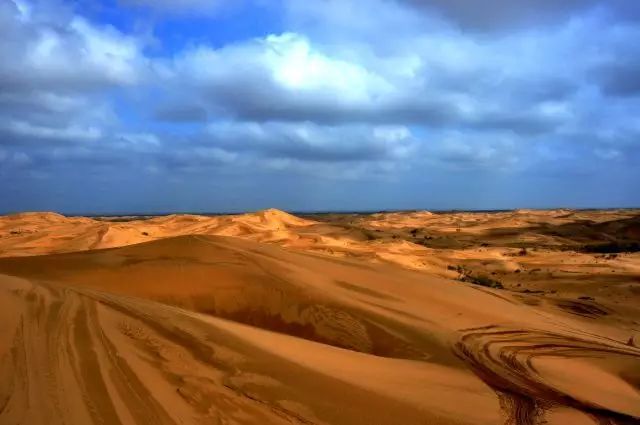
(621, 78)
(510, 14)
(312, 142)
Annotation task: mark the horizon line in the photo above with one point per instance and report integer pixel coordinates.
(316, 211)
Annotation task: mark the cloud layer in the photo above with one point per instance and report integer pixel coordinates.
(415, 96)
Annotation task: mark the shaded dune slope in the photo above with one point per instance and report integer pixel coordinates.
(211, 329)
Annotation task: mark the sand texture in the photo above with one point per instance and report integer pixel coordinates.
(515, 318)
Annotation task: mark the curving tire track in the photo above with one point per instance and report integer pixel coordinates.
(504, 359)
(64, 366)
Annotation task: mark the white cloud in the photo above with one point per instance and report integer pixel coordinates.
(445, 79)
(140, 139)
(327, 95)
(66, 56)
(278, 70)
(55, 72)
(71, 133)
(296, 66)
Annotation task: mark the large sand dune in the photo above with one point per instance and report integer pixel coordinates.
(337, 320)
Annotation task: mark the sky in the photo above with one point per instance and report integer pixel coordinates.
(142, 106)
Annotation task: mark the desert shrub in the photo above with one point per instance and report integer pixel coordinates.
(482, 280)
(461, 269)
(522, 252)
(586, 298)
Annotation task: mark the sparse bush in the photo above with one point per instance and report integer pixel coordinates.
(462, 270)
(482, 280)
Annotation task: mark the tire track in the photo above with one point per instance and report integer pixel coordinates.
(504, 359)
(88, 373)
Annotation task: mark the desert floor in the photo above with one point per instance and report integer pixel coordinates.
(521, 317)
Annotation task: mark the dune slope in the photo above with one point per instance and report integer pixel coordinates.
(211, 329)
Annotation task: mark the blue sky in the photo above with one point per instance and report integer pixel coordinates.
(206, 106)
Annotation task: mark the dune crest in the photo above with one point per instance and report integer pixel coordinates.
(272, 219)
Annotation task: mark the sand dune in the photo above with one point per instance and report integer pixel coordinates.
(45, 233)
(328, 323)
